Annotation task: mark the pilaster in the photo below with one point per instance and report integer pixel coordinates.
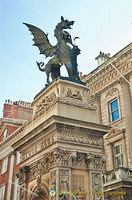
(128, 116)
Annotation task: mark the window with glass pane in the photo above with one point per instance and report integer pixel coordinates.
(118, 156)
(4, 166)
(114, 110)
(2, 192)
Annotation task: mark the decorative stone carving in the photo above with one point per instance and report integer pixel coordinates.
(21, 193)
(76, 102)
(71, 137)
(45, 104)
(53, 180)
(96, 182)
(111, 92)
(110, 176)
(75, 94)
(95, 161)
(64, 158)
(23, 174)
(79, 160)
(64, 183)
(64, 180)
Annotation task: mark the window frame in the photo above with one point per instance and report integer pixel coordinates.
(118, 156)
(110, 110)
(4, 166)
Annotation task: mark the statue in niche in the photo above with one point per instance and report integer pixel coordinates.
(64, 52)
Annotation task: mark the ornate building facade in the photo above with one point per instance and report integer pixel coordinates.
(111, 90)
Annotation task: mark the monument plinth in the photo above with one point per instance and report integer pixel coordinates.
(64, 98)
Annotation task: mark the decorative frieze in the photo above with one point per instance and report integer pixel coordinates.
(65, 158)
(83, 139)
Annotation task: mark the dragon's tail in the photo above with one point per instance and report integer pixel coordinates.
(40, 65)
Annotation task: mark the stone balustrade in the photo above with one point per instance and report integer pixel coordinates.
(117, 175)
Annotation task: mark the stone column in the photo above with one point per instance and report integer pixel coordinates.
(128, 116)
(96, 99)
(12, 159)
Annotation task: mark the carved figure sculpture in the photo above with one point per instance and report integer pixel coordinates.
(64, 52)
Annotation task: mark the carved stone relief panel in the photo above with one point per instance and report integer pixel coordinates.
(45, 104)
(64, 180)
(78, 186)
(75, 94)
(96, 190)
(53, 180)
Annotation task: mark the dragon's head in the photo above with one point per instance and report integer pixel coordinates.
(65, 24)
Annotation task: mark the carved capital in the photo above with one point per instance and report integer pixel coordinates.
(95, 161)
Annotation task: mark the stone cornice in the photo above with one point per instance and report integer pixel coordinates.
(106, 75)
(61, 121)
(12, 122)
(121, 54)
(11, 137)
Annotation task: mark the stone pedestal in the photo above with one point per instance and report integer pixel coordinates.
(63, 143)
(67, 99)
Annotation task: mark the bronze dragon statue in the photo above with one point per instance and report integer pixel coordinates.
(64, 52)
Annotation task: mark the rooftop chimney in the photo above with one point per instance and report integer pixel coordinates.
(102, 57)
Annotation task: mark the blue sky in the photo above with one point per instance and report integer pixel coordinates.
(102, 25)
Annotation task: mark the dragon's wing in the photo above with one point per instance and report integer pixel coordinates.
(41, 41)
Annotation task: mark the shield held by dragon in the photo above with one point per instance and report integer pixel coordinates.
(64, 52)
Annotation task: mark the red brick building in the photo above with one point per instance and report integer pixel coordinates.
(15, 114)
